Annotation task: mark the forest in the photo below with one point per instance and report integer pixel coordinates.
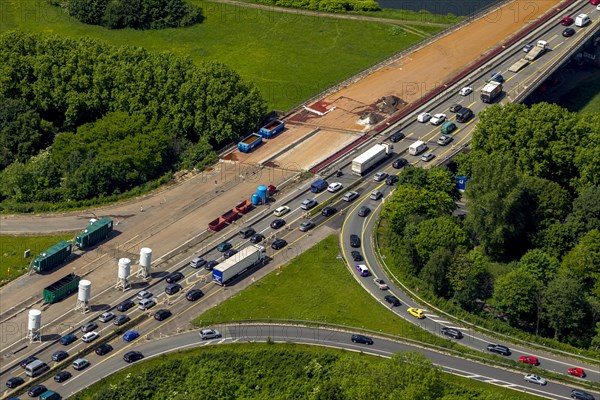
(527, 252)
(334, 6)
(286, 372)
(135, 14)
(81, 120)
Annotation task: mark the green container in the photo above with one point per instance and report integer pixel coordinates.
(94, 233)
(61, 288)
(52, 257)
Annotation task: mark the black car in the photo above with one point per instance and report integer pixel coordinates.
(14, 382)
(363, 211)
(579, 394)
(211, 264)
(392, 179)
(279, 244)
(121, 319)
(356, 256)
(223, 247)
(257, 238)
(328, 211)
(453, 333)
(89, 327)
(132, 356)
(362, 339)
(173, 288)
(162, 314)
(397, 136)
(126, 305)
(568, 32)
(59, 355)
(174, 277)
(194, 294)
(104, 349)
(67, 339)
(278, 223)
(62, 376)
(499, 349)
(455, 108)
(354, 241)
(393, 300)
(36, 390)
(399, 163)
(229, 253)
(26, 361)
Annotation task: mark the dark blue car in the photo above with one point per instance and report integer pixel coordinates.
(68, 339)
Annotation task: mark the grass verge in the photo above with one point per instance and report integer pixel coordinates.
(315, 286)
(290, 56)
(12, 262)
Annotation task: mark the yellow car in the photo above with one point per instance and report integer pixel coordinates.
(416, 312)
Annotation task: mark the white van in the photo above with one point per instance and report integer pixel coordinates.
(36, 368)
(145, 304)
(582, 20)
(417, 148)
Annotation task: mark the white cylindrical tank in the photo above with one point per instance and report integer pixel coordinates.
(35, 320)
(145, 257)
(124, 268)
(85, 291)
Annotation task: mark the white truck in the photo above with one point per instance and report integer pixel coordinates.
(417, 148)
(238, 263)
(371, 157)
(537, 50)
(490, 91)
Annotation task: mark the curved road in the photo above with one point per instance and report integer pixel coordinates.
(310, 336)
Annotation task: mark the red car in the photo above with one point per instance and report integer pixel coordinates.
(271, 189)
(577, 372)
(567, 21)
(594, 2)
(530, 360)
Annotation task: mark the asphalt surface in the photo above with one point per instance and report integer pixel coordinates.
(303, 335)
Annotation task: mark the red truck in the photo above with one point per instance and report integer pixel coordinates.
(243, 207)
(217, 224)
(230, 215)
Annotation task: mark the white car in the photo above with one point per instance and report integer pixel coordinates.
(279, 211)
(465, 91)
(380, 283)
(334, 187)
(437, 119)
(424, 117)
(90, 336)
(351, 196)
(107, 316)
(535, 379)
(206, 334)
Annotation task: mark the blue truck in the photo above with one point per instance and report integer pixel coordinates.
(271, 129)
(247, 144)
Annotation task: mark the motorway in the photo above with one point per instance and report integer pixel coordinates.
(311, 336)
(353, 224)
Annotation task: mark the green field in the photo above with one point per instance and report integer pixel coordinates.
(285, 371)
(290, 57)
(315, 286)
(12, 262)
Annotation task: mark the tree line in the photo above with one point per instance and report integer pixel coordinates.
(82, 120)
(135, 14)
(334, 6)
(283, 372)
(528, 250)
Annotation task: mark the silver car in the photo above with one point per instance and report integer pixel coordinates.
(427, 157)
(306, 226)
(535, 379)
(206, 334)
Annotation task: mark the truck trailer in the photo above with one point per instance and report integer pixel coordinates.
(490, 91)
(61, 288)
(539, 49)
(237, 264)
(371, 157)
(217, 224)
(271, 129)
(94, 233)
(52, 257)
(248, 143)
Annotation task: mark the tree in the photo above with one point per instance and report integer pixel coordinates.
(540, 265)
(469, 278)
(435, 233)
(515, 295)
(564, 308)
(583, 261)
(435, 272)
(88, 11)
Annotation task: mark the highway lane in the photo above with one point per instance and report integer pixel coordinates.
(310, 336)
(414, 131)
